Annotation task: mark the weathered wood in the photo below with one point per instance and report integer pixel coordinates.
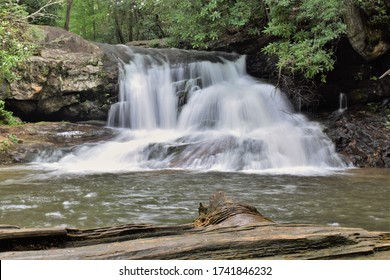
(216, 234)
(31, 239)
(269, 241)
(224, 212)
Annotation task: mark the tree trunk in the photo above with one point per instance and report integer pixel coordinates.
(136, 24)
(160, 32)
(369, 42)
(131, 25)
(92, 14)
(69, 4)
(118, 29)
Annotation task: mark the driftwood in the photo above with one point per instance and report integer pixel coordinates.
(223, 230)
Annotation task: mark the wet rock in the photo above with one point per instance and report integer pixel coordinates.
(24, 143)
(361, 136)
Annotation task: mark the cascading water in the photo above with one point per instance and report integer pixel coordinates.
(191, 110)
(343, 105)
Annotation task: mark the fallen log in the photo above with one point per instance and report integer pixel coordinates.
(223, 211)
(223, 230)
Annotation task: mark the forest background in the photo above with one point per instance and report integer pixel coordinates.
(303, 34)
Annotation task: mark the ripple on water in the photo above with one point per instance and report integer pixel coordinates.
(57, 215)
(17, 207)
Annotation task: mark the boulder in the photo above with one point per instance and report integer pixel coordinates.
(67, 80)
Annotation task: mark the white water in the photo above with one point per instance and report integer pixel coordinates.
(343, 105)
(231, 122)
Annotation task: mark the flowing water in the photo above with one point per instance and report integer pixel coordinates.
(32, 197)
(190, 124)
(229, 122)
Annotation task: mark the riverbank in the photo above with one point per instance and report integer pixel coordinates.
(23, 143)
(361, 134)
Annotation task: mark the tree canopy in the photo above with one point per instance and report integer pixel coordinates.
(304, 32)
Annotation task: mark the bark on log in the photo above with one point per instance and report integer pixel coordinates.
(216, 234)
(224, 212)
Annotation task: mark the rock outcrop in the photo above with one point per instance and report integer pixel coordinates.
(66, 81)
(361, 135)
(24, 143)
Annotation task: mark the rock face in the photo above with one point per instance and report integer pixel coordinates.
(360, 135)
(23, 143)
(67, 81)
(358, 79)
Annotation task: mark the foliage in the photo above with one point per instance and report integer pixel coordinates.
(306, 31)
(377, 13)
(14, 139)
(199, 22)
(15, 48)
(6, 117)
(195, 21)
(43, 12)
(114, 21)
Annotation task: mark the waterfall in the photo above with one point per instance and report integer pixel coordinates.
(202, 111)
(342, 103)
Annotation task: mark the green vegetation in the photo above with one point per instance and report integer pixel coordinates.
(14, 139)
(201, 22)
(6, 117)
(9, 142)
(15, 47)
(377, 12)
(306, 30)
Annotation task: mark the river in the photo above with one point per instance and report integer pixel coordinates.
(32, 197)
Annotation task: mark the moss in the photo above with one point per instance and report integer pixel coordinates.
(5, 90)
(5, 144)
(35, 34)
(45, 70)
(358, 96)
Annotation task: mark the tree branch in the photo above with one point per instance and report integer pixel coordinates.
(385, 74)
(41, 11)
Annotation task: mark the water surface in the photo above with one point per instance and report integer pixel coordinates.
(32, 197)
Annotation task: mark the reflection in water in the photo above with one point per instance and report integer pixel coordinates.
(36, 198)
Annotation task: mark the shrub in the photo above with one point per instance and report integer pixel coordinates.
(6, 117)
(14, 47)
(306, 31)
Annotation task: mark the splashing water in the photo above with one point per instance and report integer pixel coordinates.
(202, 113)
